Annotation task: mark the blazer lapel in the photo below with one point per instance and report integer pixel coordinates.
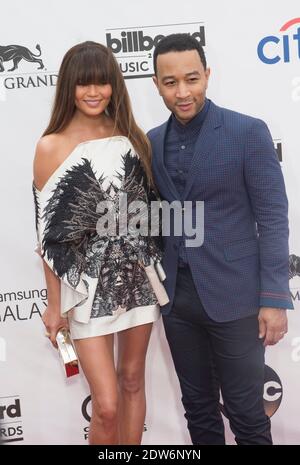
(205, 143)
(162, 174)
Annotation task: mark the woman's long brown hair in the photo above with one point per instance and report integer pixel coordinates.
(93, 63)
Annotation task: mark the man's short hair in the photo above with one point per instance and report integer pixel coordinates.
(178, 43)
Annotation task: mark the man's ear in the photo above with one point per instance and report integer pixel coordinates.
(207, 75)
(155, 80)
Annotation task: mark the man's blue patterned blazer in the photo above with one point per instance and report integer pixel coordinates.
(242, 264)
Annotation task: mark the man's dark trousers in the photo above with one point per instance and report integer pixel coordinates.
(208, 354)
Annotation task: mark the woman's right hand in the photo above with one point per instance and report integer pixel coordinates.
(53, 322)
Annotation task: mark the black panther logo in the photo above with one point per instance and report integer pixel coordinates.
(16, 53)
(294, 266)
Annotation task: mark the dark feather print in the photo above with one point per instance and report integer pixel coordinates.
(36, 206)
(77, 251)
(71, 218)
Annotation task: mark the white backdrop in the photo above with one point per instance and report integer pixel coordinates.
(37, 404)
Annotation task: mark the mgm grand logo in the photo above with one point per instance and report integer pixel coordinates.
(18, 54)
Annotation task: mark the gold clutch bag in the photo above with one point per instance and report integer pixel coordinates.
(67, 352)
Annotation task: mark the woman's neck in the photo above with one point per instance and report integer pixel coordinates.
(90, 127)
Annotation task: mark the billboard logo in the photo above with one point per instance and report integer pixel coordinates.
(133, 47)
(10, 419)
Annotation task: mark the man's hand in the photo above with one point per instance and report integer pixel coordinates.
(272, 325)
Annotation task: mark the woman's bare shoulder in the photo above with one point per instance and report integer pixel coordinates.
(47, 158)
(48, 145)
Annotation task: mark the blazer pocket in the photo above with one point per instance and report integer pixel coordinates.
(240, 249)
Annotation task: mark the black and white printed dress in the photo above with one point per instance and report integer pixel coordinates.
(104, 288)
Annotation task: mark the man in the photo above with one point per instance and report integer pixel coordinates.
(228, 297)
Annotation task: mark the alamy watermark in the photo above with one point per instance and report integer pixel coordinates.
(138, 218)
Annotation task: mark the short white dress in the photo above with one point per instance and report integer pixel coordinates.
(104, 287)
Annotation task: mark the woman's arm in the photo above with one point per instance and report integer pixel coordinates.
(52, 318)
(44, 165)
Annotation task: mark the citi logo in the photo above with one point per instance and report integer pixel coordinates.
(273, 49)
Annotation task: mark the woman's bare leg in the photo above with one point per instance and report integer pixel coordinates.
(132, 349)
(97, 360)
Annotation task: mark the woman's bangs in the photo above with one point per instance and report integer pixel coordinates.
(92, 70)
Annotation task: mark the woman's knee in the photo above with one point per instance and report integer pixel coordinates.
(105, 410)
(131, 381)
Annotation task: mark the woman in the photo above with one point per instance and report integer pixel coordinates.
(86, 164)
